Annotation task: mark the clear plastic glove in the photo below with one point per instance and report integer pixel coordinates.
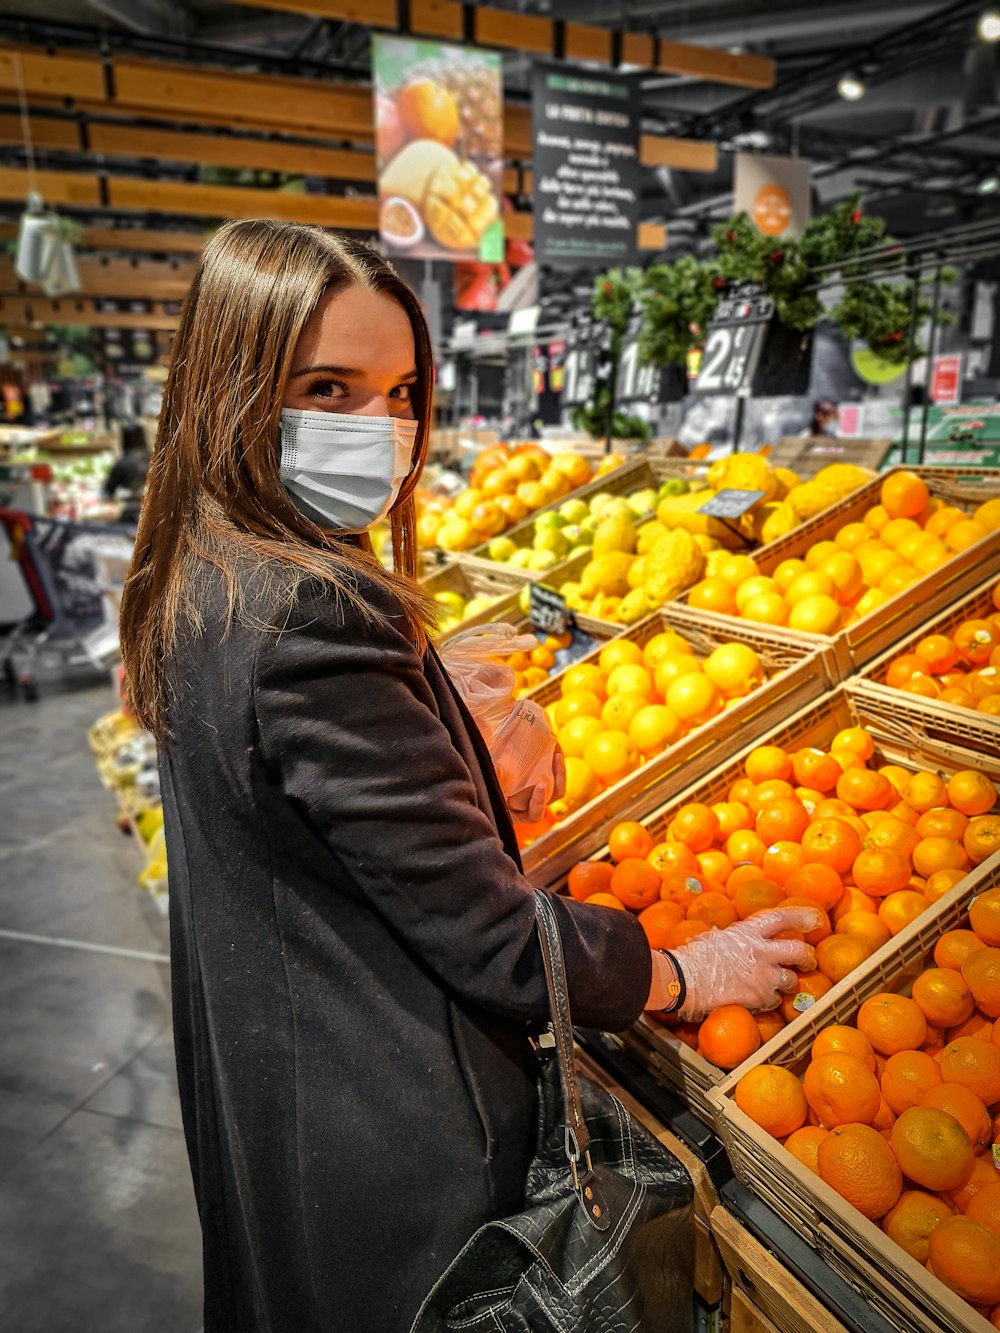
(528, 805)
(745, 964)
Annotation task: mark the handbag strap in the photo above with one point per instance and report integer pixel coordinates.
(577, 1136)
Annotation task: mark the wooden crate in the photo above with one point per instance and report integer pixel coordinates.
(476, 582)
(910, 715)
(874, 634)
(639, 475)
(796, 676)
(901, 1290)
(668, 1059)
(764, 1295)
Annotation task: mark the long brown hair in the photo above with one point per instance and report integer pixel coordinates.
(214, 493)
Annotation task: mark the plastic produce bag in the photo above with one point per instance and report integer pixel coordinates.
(516, 731)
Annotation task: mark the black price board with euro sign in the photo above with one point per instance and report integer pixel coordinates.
(732, 503)
(548, 610)
(637, 382)
(580, 367)
(735, 340)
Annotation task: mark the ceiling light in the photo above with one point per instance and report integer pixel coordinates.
(850, 88)
(988, 27)
(988, 185)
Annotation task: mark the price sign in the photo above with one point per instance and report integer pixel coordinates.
(637, 383)
(735, 340)
(580, 368)
(732, 503)
(548, 610)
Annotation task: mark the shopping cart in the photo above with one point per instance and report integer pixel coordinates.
(70, 570)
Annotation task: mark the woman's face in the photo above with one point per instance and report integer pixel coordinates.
(355, 355)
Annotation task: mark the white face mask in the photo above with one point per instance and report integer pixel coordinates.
(344, 471)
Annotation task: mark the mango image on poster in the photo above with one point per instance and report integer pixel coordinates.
(772, 209)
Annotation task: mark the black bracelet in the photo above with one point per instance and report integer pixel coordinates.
(676, 989)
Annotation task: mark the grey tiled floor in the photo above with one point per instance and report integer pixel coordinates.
(98, 1230)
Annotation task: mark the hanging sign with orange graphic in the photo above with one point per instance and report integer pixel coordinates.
(774, 191)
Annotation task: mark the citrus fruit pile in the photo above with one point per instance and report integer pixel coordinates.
(900, 1112)
(632, 703)
(506, 484)
(907, 536)
(533, 668)
(962, 667)
(870, 848)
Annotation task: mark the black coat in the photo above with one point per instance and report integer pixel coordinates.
(355, 967)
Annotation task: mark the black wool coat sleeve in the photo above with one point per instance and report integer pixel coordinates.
(355, 967)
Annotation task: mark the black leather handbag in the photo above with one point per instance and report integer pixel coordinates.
(605, 1241)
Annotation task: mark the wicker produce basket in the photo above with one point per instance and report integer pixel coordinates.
(900, 1289)
(673, 1063)
(874, 634)
(795, 678)
(476, 582)
(926, 720)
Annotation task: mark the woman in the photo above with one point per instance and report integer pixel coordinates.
(355, 968)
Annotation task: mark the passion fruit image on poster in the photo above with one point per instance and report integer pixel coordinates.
(439, 150)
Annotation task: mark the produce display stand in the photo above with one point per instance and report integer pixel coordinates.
(920, 720)
(901, 1290)
(474, 581)
(808, 454)
(874, 634)
(800, 676)
(683, 1069)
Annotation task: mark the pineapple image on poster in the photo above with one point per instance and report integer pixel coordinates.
(439, 150)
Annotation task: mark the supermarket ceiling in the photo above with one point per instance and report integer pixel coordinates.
(923, 142)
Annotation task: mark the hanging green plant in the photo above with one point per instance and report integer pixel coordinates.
(677, 301)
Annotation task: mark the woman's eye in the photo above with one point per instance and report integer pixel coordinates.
(327, 389)
(403, 393)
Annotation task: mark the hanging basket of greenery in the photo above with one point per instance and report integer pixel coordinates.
(676, 301)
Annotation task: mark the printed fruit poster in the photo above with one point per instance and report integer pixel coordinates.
(439, 149)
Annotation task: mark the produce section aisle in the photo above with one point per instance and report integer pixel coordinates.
(98, 1229)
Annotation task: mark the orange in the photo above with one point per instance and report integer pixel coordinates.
(428, 111)
(773, 1098)
(960, 698)
(620, 709)
(716, 865)
(671, 669)
(847, 758)
(832, 842)
(661, 646)
(729, 1036)
(856, 1161)
(695, 825)
(816, 615)
(606, 900)
(573, 737)
(965, 1106)
(756, 896)
(682, 889)
(851, 535)
(781, 860)
(653, 728)
(693, 698)
(583, 676)
(965, 534)
(971, 792)
(612, 756)
(941, 883)
(981, 972)
(876, 518)
(732, 816)
(975, 641)
(866, 928)
(770, 1024)
(747, 873)
(686, 932)
(942, 822)
(658, 921)
(880, 871)
(768, 608)
(783, 820)
(982, 838)
(714, 908)
(892, 1023)
(745, 847)
(841, 1090)
(923, 686)
(714, 594)
(984, 916)
(926, 790)
(943, 519)
(814, 936)
(589, 877)
(845, 573)
(864, 790)
(912, 1219)
(984, 1206)
(757, 586)
(944, 996)
(810, 584)
(811, 986)
(804, 1143)
(907, 1076)
(904, 668)
(766, 762)
(819, 883)
(839, 1038)
(932, 1148)
(788, 571)
(955, 946)
(669, 857)
(939, 652)
(742, 791)
(620, 652)
(765, 793)
(901, 909)
(966, 1257)
(580, 703)
(904, 494)
(975, 1064)
(629, 839)
(838, 955)
(856, 739)
(636, 883)
(897, 530)
(931, 854)
(629, 678)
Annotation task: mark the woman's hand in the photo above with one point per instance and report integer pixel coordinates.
(528, 806)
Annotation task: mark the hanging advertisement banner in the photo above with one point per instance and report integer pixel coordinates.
(588, 182)
(439, 150)
(774, 191)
